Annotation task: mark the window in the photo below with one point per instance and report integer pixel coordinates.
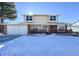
(52, 18)
(61, 27)
(28, 18)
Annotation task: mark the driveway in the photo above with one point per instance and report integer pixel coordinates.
(8, 37)
(44, 45)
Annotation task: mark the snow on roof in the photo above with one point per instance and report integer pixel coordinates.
(76, 23)
(19, 23)
(64, 23)
(8, 23)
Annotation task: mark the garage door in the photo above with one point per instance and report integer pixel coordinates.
(16, 29)
(22, 29)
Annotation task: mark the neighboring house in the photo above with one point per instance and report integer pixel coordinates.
(75, 27)
(36, 23)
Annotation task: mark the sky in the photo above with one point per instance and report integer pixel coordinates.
(68, 11)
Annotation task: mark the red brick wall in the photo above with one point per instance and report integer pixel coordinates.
(3, 29)
(52, 28)
(28, 28)
(66, 28)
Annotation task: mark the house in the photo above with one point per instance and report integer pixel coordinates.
(36, 23)
(75, 26)
(42, 23)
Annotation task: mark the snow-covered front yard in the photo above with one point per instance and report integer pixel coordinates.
(41, 45)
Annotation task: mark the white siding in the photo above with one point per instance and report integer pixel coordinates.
(16, 29)
(75, 29)
(39, 19)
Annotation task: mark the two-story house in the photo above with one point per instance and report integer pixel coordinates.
(36, 23)
(40, 23)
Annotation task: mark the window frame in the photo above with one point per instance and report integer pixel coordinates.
(29, 19)
(52, 20)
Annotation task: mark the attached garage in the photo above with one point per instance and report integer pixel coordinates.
(17, 29)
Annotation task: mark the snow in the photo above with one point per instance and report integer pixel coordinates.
(41, 45)
(1, 34)
(1, 46)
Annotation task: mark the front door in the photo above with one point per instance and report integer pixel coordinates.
(52, 28)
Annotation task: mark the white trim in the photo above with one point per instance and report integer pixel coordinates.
(29, 21)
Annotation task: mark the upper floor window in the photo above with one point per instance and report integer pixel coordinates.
(52, 18)
(28, 18)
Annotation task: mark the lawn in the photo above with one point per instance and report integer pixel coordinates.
(41, 45)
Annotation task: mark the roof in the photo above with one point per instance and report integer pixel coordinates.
(64, 23)
(21, 23)
(16, 23)
(42, 14)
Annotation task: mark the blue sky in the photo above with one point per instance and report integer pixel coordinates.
(68, 11)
